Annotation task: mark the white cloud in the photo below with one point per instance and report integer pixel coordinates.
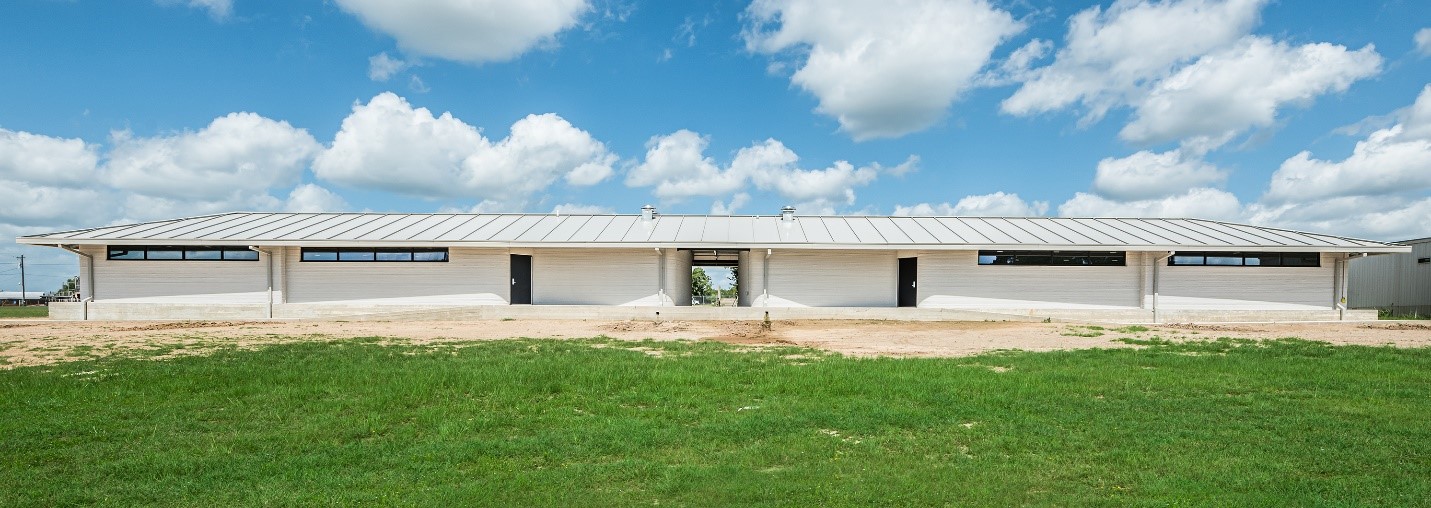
(1423, 41)
(473, 31)
(313, 198)
(387, 144)
(417, 85)
(44, 160)
(1202, 203)
(677, 166)
(219, 10)
(239, 152)
(1242, 86)
(580, 209)
(1148, 175)
(730, 207)
(1386, 218)
(1396, 159)
(382, 67)
(1108, 56)
(883, 69)
(998, 204)
(31, 204)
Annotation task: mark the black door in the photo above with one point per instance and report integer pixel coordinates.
(521, 279)
(908, 281)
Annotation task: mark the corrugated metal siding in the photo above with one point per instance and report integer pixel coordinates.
(470, 277)
(1246, 288)
(832, 278)
(178, 281)
(594, 277)
(956, 280)
(1394, 281)
(678, 277)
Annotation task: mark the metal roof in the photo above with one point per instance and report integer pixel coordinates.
(708, 231)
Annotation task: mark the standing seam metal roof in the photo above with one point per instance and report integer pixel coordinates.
(250, 228)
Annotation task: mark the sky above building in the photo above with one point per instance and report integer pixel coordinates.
(1312, 115)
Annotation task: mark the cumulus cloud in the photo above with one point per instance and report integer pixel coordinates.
(678, 168)
(313, 198)
(1423, 41)
(44, 160)
(239, 152)
(1202, 203)
(1189, 69)
(389, 145)
(730, 207)
(1109, 55)
(1396, 159)
(473, 31)
(382, 67)
(1147, 175)
(1381, 191)
(882, 69)
(998, 204)
(1243, 86)
(1386, 218)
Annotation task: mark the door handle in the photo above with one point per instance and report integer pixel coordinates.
(914, 283)
(514, 282)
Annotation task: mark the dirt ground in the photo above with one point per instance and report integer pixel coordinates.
(40, 342)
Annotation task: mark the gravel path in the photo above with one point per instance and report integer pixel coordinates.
(40, 342)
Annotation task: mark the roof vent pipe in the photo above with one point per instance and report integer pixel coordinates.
(648, 212)
(787, 214)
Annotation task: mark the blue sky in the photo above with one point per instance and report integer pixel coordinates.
(1298, 114)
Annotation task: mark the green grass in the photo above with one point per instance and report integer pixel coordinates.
(1131, 329)
(600, 422)
(1388, 314)
(30, 311)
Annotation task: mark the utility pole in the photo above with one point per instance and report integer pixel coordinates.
(22, 280)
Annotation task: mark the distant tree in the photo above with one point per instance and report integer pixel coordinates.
(734, 279)
(701, 283)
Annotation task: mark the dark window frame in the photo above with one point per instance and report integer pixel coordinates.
(1284, 259)
(376, 254)
(240, 253)
(1052, 258)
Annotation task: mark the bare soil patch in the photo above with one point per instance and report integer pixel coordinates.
(38, 342)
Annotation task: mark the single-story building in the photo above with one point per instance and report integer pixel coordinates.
(1398, 283)
(19, 298)
(257, 265)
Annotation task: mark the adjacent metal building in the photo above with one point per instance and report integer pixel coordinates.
(253, 265)
(1399, 283)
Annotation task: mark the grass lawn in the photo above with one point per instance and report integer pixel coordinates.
(602, 422)
(29, 311)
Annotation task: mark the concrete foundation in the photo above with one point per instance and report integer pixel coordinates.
(164, 311)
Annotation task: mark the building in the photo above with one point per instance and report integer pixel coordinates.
(18, 298)
(1399, 283)
(285, 265)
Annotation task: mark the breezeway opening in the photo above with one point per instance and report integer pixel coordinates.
(720, 268)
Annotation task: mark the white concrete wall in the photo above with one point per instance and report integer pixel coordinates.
(748, 276)
(677, 280)
(955, 280)
(1392, 281)
(1247, 287)
(818, 278)
(215, 282)
(469, 277)
(596, 277)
